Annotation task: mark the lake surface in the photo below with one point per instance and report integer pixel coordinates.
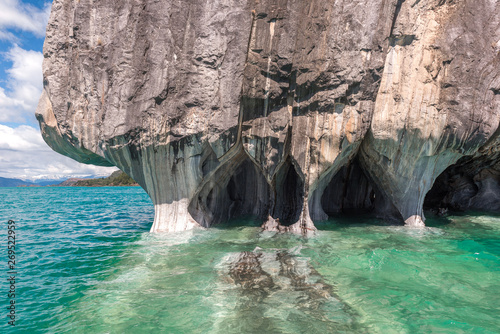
(86, 263)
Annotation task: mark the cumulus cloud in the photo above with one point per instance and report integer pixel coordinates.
(24, 83)
(24, 155)
(15, 14)
(22, 87)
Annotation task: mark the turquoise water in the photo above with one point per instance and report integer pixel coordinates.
(87, 264)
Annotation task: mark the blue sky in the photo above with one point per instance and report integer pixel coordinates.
(23, 153)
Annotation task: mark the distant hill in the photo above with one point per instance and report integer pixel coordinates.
(6, 182)
(69, 182)
(118, 178)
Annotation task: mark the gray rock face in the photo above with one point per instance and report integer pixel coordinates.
(283, 110)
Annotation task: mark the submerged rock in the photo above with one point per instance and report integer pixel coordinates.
(285, 110)
(268, 291)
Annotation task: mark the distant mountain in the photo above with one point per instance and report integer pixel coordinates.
(6, 182)
(48, 182)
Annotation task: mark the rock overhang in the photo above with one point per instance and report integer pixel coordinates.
(196, 101)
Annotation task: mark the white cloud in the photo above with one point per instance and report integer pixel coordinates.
(19, 96)
(27, 66)
(25, 84)
(15, 14)
(24, 155)
(23, 138)
(8, 36)
(9, 108)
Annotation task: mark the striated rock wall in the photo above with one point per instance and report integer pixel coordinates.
(285, 110)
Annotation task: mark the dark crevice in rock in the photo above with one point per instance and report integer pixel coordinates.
(232, 193)
(161, 97)
(209, 162)
(496, 91)
(348, 191)
(451, 191)
(351, 191)
(395, 17)
(289, 195)
(248, 192)
(471, 184)
(415, 3)
(348, 98)
(401, 40)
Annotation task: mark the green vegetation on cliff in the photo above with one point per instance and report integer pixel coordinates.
(118, 178)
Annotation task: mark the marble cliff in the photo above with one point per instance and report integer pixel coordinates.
(285, 110)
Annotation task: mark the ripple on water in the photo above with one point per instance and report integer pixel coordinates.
(87, 264)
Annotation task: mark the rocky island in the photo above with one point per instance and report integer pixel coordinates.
(287, 110)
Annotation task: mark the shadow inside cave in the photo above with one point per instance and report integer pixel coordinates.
(351, 197)
(466, 186)
(349, 191)
(289, 195)
(242, 196)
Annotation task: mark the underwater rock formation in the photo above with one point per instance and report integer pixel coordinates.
(255, 284)
(284, 110)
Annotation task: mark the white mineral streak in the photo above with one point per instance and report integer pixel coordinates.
(173, 217)
(268, 79)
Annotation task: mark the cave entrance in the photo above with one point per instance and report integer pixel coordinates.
(349, 192)
(353, 195)
(452, 190)
(248, 192)
(289, 195)
(229, 196)
(465, 186)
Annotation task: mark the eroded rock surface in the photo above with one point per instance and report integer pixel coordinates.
(284, 110)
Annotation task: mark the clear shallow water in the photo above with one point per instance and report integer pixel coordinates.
(87, 264)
